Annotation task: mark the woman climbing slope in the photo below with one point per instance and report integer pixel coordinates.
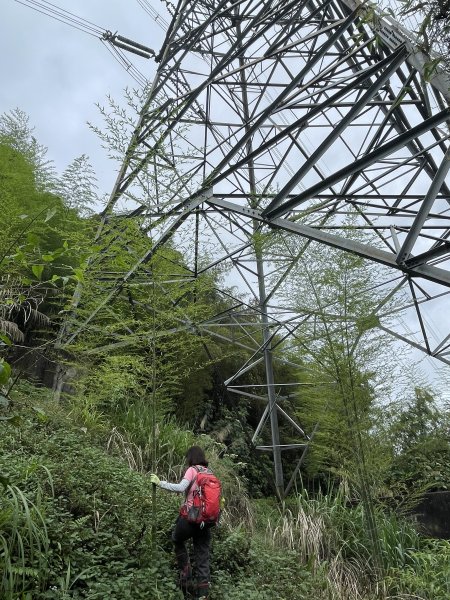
(199, 511)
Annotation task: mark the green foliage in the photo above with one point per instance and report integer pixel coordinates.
(35, 254)
(234, 426)
(24, 541)
(267, 575)
(134, 442)
(330, 537)
(86, 529)
(433, 29)
(427, 574)
(231, 551)
(146, 328)
(77, 185)
(340, 351)
(418, 436)
(96, 511)
(16, 132)
(5, 372)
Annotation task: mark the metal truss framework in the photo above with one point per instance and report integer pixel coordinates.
(293, 116)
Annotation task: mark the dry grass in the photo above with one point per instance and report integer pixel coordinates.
(238, 511)
(129, 452)
(347, 580)
(308, 532)
(331, 541)
(313, 531)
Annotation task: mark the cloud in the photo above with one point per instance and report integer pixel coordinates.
(56, 74)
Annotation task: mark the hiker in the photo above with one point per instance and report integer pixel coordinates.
(192, 521)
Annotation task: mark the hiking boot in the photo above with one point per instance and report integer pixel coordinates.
(203, 592)
(188, 591)
(185, 581)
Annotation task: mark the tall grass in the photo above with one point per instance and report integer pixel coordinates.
(23, 543)
(426, 575)
(331, 538)
(134, 443)
(133, 440)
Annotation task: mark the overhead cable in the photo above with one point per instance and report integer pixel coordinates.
(120, 57)
(64, 16)
(159, 20)
(116, 42)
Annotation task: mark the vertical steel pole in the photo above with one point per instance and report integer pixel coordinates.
(268, 356)
(268, 361)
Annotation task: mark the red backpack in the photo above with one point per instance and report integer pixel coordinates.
(206, 498)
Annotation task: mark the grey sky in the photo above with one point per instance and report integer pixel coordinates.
(56, 74)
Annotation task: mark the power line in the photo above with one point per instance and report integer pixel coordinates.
(64, 16)
(120, 57)
(116, 43)
(159, 20)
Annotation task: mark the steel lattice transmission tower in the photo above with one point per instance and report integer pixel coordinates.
(288, 115)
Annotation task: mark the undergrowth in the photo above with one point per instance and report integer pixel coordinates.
(76, 522)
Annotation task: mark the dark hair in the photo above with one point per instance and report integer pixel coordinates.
(196, 456)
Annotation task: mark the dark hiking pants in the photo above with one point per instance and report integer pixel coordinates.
(201, 538)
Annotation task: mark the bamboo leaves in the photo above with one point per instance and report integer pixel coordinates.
(5, 372)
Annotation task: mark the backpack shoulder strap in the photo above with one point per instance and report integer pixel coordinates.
(191, 483)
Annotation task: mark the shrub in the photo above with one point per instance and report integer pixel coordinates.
(330, 538)
(94, 516)
(426, 575)
(96, 512)
(85, 532)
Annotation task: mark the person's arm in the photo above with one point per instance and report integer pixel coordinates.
(175, 487)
